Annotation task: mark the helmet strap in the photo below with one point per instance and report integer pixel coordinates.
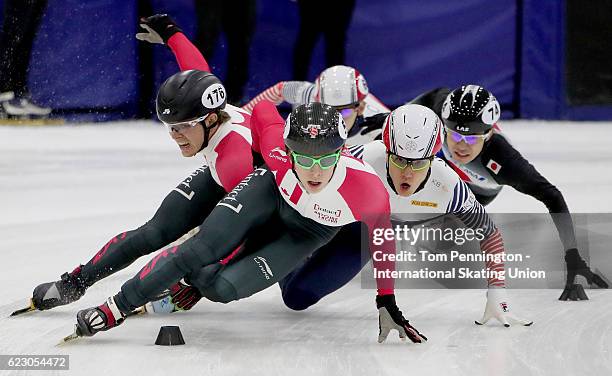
(207, 130)
(424, 181)
(389, 180)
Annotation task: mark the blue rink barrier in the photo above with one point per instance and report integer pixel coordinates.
(86, 59)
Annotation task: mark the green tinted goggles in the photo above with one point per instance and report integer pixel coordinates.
(325, 162)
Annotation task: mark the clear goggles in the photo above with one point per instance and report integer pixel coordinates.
(185, 124)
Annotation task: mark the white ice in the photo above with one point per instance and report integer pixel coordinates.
(65, 190)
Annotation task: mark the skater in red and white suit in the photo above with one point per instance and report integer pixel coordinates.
(192, 105)
(421, 187)
(341, 87)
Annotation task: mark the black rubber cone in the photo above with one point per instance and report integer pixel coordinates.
(169, 336)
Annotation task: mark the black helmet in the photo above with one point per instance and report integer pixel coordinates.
(471, 109)
(189, 95)
(314, 129)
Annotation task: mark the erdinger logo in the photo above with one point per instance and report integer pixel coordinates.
(504, 306)
(424, 203)
(262, 263)
(278, 153)
(327, 214)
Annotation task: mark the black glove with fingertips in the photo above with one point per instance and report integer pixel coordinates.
(158, 29)
(577, 266)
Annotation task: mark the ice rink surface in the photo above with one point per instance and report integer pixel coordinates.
(64, 191)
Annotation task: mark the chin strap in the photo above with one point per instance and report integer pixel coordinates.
(207, 132)
(389, 180)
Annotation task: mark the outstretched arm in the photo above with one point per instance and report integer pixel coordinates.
(162, 29)
(293, 92)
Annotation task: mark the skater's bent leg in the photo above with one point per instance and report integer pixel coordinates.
(184, 208)
(252, 202)
(328, 269)
(258, 270)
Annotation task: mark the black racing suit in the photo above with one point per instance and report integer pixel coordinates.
(177, 215)
(516, 171)
(252, 208)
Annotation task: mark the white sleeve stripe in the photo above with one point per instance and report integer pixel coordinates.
(475, 217)
(357, 150)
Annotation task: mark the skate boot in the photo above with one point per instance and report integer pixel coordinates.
(98, 319)
(5, 97)
(33, 109)
(68, 289)
(21, 107)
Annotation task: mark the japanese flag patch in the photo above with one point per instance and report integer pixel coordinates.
(494, 166)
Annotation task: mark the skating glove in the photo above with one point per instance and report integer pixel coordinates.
(497, 307)
(184, 296)
(158, 29)
(373, 123)
(390, 317)
(577, 266)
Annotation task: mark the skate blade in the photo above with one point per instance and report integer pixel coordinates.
(71, 337)
(138, 311)
(24, 310)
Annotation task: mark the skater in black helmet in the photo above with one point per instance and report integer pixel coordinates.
(476, 148)
(192, 105)
(309, 189)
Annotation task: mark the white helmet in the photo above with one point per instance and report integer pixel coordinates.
(340, 86)
(412, 131)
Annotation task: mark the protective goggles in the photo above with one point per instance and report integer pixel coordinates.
(415, 164)
(469, 139)
(185, 124)
(325, 162)
(347, 111)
